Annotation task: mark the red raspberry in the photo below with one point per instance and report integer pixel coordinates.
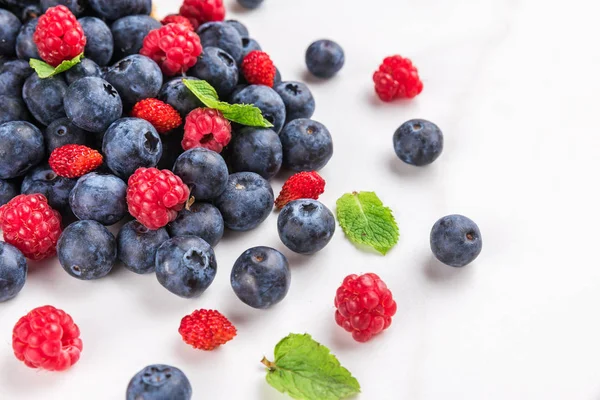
(154, 197)
(161, 115)
(397, 78)
(206, 329)
(177, 19)
(59, 36)
(364, 305)
(201, 11)
(74, 160)
(205, 127)
(258, 68)
(31, 225)
(174, 47)
(47, 338)
(303, 185)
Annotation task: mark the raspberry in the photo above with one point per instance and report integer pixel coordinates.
(303, 185)
(174, 47)
(154, 197)
(206, 329)
(74, 160)
(161, 115)
(258, 68)
(397, 78)
(205, 127)
(47, 338)
(201, 11)
(31, 225)
(59, 36)
(364, 305)
(177, 19)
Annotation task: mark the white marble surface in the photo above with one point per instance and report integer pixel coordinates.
(514, 86)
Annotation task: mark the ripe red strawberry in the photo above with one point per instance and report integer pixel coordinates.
(161, 115)
(177, 19)
(303, 185)
(74, 160)
(258, 68)
(59, 36)
(206, 329)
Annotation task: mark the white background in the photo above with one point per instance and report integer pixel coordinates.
(514, 86)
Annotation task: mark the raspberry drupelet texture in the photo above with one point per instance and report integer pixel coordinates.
(206, 329)
(47, 338)
(74, 160)
(154, 197)
(174, 47)
(365, 306)
(258, 68)
(161, 115)
(58, 36)
(303, 185)
(31, 225)
(177, 19)
(201, 11)
(397, 78)
(206, 127)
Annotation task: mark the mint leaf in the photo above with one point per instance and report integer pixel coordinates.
(46, 71)
(244, 114)
(365, 220)
(306, 370)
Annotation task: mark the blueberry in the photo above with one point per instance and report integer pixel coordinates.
(256, 150)
(277, 79)
(77, 7)
(85, 68)
(13, 74)
(136, 77)
(8, 191)
(238, 88)
(131, 143)
(9, 29)
(115, 9)
(30, 12)
(200, 219)
(171, 148)
(241, 28)
(265, 98)
(44, 97)
(250, 4)
(418, 142)
(455, 240)
(324, 58)
(87, 250)
(204, 171)
(100, 42)
(305, 226)
(159, 382)
(218, 68)
(62, 132)
(99, 197)
(248, 45)
(186, 266)
(13, 109)
(246, 202)
(25, 46)
(175, 93)
(21, 147)
(307, 145)
(44, 180)
(137, 246)
(129, 33)
(93, 104)
(261, 277)
(223, 36)
(299, 101)
(13, 271)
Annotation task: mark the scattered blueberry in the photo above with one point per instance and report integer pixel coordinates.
(137, 246)
(99, 197)
(299, 101)
(115, 9)
(200, 219)
(418, 142)
(218, 68)
(456, 240)
(100, 42)
(250, 4)
(93, 104)
(25, 46)
(324, 58)
(13, 74)
(13, 109)
(204, 171)
(265, 98)
(77, 7)
(9, 29)
(241, 28)
(44, 97)
(305, 226)
(136, 77)
(8, 190)
(56, 189)
(176, 94)
(62, 132)
(248, 45)
(307, 145)
(13, 271)
(256, 150)
(159, 382)
(85, 68)
(223, 36)
(21, 147)
(129, 33)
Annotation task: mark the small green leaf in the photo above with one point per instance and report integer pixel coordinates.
(46, 71)
(306, 370)
(365, 220)
(244, 114)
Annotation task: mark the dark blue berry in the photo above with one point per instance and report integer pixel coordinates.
(85, 68)
(77, 7)
(159, 382)
(418, 142)
(200, 219)
(30, 12)
(136, 77)
(8, 191)
(13, 109)
(204, 171)
(100, 43)
(13, 74)
(241, 28)
(13, 271)
(250, 4)
(21, 147)
(115, 9)
(99, 197)
(223, 36)
(256, 150)
(307, 145)
(277, 78)
(137, 246)
(218, 68)
(324, 58)
(267, 100)
(56, 189)
(93, 104)
(62, 132)
(455, 240)
(305, 226)
(25, 46)
(129, 33)
(239, 87)
(261, 277)
(176, 94)
(248, 45)
(44, 97)
(9, 29)
(299, 101)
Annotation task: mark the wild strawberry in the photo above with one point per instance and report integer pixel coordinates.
(303, 185)
(258, 68)
(74, 160)
(161, 115)
(206, 329)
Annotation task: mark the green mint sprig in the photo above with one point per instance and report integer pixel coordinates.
(46, 70)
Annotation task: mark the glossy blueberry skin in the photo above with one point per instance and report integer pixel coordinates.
(265, 98)
(223, 36)
(250, 4)
(324, 58)
(418, 142)
(100, 43)
(93, 104)
(129, 33)
(13, 74)
(131, 143)
(277, 79)
(241, 28)
(44, 98)
(87, 250)
(136, 77)
(115, 9)
(307, 145)
(13, 109)
(256, 150)
(13, 271)
(248, 45)
(305, 226)
(85, 68)
(186, 266)
(239, 87)
(25, 46)
(246, 202)
(159, 382)
(455, 240)
(44, 181)
(8, 190)
(261, 277)
(30, 11)
(218, 68)
(77, 7)
(99, 197)
(62, 132)
(176, 94)
(21, 147)
(9, 29)
(202, 220)
(299, 101)
(137, 246)
(204, 171)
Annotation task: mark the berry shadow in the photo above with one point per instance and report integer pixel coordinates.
(309, 78)
(398, 167)
(19, 377)
(437, 272)
(342, 340)
(235, 7)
